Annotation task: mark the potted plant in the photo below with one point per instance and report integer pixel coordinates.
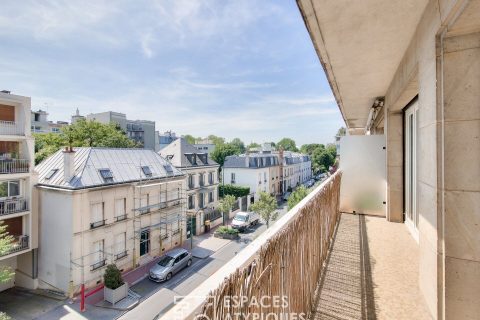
(115, 289)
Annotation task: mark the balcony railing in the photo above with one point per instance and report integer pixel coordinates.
(13, 205)
(11, 128)
(97, 224)
(285, 261)
(121, 255)
(14, 165)
(19, 243)
(98, 265)
(120, 217)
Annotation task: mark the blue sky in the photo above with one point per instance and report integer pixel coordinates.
(238, 68)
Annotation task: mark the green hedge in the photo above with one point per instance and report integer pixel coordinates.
(235, 191)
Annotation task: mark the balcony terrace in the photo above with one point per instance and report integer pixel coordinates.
(354, 267)
(14, 166)
(11, 128)
(13, 205)
(19, 243)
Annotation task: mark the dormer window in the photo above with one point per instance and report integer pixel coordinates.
(146, 171)
(107, 175)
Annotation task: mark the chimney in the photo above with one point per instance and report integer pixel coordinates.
(68, 163)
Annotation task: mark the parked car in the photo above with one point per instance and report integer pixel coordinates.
(286, 195)
(243, 220)
(169, 264)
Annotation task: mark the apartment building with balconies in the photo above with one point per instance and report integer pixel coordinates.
(202, 182)
(16, 180)
(100, 206)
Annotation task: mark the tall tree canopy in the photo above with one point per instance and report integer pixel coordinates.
(224, 150)
(287, 144)
(83, 133)
(238, 144)
(253, 145)
(189, 138)
(322, 156)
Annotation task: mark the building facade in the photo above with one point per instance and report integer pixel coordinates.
(122, 206)
(141, 131)
(297, 169)
(202, 181)
(41, 124)
(205, 145)
(164, 139)
(16, 198)
(258, 171)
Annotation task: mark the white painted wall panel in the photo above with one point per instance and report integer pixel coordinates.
(363, 162)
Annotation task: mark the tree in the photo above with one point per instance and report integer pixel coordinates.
(322, 160)
(223, 151)
(297, 196)
(6, 240)
(226, 204)
(253, 145)
(310, 148)
(287, 144)
(189, 138)
(237, 143)
(266, 207)
(216, 140)
(83, 133)
(342, 131)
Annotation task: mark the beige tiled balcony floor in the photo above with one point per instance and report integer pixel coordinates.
(372, 273)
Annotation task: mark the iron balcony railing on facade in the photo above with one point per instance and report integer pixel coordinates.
(97, 224)
(121, 255)
(160, 205)
(13, 205)
(121, 217)
(98, 265)
(19, 243)
(14, 165)
(11, 128)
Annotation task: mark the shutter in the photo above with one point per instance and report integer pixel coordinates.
(120, 243)
(96, 212)
(119, 207)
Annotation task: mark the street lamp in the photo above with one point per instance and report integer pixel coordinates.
(191, 226)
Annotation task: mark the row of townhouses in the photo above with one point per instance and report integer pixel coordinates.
(275, 172)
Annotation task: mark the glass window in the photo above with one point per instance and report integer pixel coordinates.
(9, 188)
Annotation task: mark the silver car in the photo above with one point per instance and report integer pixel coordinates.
(169, 264)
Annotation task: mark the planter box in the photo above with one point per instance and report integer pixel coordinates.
(115, 295)
(226, 236)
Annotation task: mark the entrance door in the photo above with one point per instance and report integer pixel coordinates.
(144, 242)
(410, 130)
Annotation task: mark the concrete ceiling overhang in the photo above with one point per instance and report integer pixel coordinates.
(360, 44)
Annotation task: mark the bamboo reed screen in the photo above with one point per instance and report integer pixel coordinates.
(288, 265)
